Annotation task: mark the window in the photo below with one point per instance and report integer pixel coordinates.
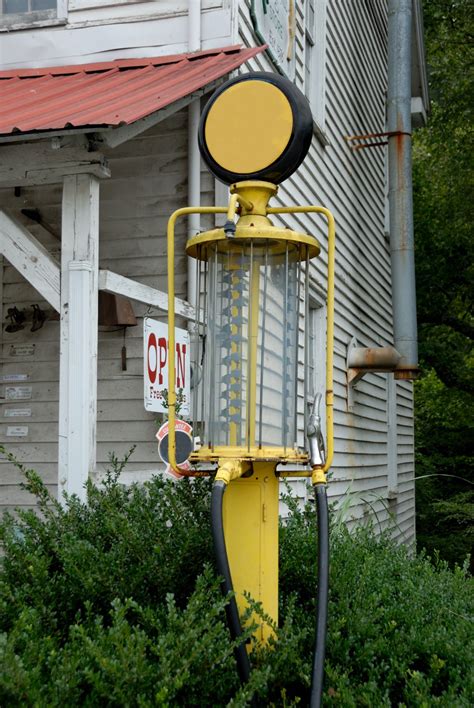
(315, 61)
(23, 13)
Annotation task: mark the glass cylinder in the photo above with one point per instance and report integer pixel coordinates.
(247, 361)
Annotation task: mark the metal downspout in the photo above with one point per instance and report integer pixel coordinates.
(194, 158)
(400, 187)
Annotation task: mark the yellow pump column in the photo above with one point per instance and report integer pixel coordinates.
(251, 533)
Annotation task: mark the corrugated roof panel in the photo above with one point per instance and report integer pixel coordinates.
(109, 93)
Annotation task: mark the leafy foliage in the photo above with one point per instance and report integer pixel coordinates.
(444, 212)
(116, 603)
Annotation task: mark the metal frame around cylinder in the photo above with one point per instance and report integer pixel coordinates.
(278, 236)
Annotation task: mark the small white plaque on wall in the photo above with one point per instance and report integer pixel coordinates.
(22, 350)
(16, 393)
(17, 431)
(17, 413)
(10, 378)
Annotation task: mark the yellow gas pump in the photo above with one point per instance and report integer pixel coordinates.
(251, 299)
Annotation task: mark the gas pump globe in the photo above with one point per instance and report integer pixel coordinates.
(251, 278)
(251, 298)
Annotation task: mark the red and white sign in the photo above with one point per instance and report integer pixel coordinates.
(156, 366)
(184, 446)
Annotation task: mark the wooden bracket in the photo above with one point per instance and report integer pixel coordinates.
(48, 161)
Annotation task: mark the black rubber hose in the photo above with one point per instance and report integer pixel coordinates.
(323, 591)
(233, 620)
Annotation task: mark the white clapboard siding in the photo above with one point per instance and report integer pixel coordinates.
(351, 184)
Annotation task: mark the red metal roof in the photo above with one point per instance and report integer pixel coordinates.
(107, 94)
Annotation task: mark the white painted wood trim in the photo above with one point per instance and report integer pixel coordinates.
(62, 9)
(46, 162)
(30, 258)
(119, 285)
(78, 339)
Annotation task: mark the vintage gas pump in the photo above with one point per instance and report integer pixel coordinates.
(251, 297)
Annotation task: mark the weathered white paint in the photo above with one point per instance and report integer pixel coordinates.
(45, 162)
(117, 32)
(30, 258)
(118, 284)
(78, 355)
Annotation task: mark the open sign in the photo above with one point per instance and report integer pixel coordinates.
(155, 374)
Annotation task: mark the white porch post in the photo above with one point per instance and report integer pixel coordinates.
(78, 339)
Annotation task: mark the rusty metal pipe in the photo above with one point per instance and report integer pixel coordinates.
(373, 358)
(402, 248)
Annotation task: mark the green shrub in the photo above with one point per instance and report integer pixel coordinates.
(116, 603)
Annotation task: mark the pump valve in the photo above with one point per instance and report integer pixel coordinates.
(317, 451)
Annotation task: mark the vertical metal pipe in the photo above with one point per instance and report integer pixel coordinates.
(295, 341)
(249, 347)
(214, 344)
(306, 344)
(262, 353)
(229, 348)
(197, 338)
(402, 249)
(205, 344)
(194, 158)
(285, 351)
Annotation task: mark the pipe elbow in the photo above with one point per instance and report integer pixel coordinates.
(229, 470)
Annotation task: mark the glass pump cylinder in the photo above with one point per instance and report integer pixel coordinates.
(246, 356)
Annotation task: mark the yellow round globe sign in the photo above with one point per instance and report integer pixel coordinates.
(257, 126)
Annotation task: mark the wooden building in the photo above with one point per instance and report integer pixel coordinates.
(98, 110)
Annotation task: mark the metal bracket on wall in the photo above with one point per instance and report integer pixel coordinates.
(362, 360)
(369, 140)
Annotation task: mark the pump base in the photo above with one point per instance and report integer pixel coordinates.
(251, 537)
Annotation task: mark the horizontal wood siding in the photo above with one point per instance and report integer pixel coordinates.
(351, 184)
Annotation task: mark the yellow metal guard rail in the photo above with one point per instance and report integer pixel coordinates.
(230, 211)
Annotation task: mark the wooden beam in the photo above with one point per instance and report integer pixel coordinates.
(47, 161)
(30, 258)
(78, 337)
(119, 285)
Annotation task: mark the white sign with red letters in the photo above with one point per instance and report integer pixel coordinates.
(156, 367)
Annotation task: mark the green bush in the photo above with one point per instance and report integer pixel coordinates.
(116, 603)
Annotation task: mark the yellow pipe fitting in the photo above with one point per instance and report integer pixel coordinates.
(229, 470)
(235, 199)
(318, 476)
(253, 196)
(232, 209)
